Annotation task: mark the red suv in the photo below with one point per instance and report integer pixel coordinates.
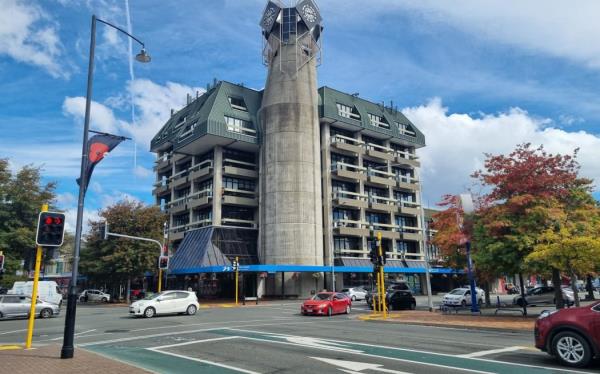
(572, 335)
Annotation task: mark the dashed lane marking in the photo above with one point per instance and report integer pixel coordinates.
(493, 351)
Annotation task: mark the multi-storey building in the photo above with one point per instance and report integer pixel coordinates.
(293, 180)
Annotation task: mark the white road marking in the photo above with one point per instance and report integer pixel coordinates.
(492, 351)
(192, 342)
(11, 332)
(358, 366)
(207, 362)
(77, 334)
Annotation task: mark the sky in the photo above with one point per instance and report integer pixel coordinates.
(475, 77)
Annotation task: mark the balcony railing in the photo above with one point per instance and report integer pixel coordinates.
(243, 164)
(384, 226)
(201, 165)
(161, 183)
(407, 179)
(379, 148)
(380, 173)
(407, 204)
(180, 174)
(178, 228)
(382, 200)
(236, 192)
(349, 195)
(350, 223)
(406, 155)
(177, 202)
(239, 222)
(410, 229)
(200, 223)
(200, 194)
(347, 167)
(346, 140)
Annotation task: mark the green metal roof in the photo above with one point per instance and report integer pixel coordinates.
(329, 98)
(209, 110)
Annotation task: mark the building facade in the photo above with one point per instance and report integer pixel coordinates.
(294, 180)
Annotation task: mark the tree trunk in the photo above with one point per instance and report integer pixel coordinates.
(127, 295)
(574, 288)
(590, 288)
(558, 297)
(486, 288)
(523, 294)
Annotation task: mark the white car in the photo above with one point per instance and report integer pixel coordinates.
(166, 302)
(94, 295)
(355, 293)
(462, 297)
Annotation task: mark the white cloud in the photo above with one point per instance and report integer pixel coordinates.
(27, 35)
(115, 197)
(71, 219)
(456, 144)
(102, 118)
(142, 172)
(65, 199)
(558, 28)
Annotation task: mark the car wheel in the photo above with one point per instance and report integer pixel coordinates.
(149, 312)
(480, 302)
(60, 304)
(104, 300)
(571, 349)
(329, 312)
(191, 310)
(353, 297)
(46, 313)
(348, 309)
(413, 305)
(1, 315)
(463, 303)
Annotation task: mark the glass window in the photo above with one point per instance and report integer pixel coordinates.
(343, 243)
(377, 218)
(240, 126)
(405, 129)
(238, 103)
(348, 111)
(336, 157)
(343, 186)
(239, 184)
(406, 221)
(345, 214)
(234, 212)
(181, 295)
(378, 121)
(169, 296)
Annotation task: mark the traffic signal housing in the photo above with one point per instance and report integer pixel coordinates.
(1, 263)
(235, 265)
(51, 229)
(163, 262)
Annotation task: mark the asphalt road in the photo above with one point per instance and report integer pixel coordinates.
(275, 338)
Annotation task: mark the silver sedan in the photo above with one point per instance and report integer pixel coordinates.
(19, 305)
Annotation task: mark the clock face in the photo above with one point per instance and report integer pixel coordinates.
(309, 13)
(269, 17)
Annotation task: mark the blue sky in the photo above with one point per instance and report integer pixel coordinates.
(474, 76)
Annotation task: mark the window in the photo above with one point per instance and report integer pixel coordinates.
(202, 215)
(405, 129)
(238, 155)
(378, 121)
(342, 186)
(342, 243)
(374, 165)
(180, 122)
(205, 185)
(239, 184)
(238, 103)
(336, 157)
(233, 212)
(188, 130)
(344, 214)
(240, 126)
(333, 131)
(181, 220)
(407, 247)
(406, 221)
(182, 193)
(368, 139)
(374, 191)
(374, 218)
(348, 111)
(405, 196)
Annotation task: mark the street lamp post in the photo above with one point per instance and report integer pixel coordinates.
(69, 333)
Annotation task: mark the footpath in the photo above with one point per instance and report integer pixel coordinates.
(46, 360)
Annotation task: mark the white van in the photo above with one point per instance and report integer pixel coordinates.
(48, 291)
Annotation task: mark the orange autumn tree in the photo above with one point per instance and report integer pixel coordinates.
(449, 238)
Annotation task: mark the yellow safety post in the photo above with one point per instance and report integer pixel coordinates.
(159, 280)
(382, 295)
(237, 274)
(34, 290)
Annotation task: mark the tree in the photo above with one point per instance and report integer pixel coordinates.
(21, 197)
(529, 190)
(118, 259)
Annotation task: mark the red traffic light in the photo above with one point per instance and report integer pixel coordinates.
(48, 220)
(50, 230)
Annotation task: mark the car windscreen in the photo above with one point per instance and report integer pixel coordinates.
(321, 296)
(345, 290)
(457, 291)
(153, 296)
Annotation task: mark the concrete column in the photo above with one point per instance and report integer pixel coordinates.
(361, 189)
(327, 195)
(217, 185)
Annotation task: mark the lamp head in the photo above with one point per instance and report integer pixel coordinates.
(143, 56)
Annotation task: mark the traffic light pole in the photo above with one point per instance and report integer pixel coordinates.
(237, 275)
(34, 290)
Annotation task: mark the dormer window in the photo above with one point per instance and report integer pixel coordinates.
(238, 103)
(348, 111)
(405, 129)
(180, 122)
(240, 126)
(379, 121)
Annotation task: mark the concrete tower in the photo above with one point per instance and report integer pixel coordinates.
(291, 230)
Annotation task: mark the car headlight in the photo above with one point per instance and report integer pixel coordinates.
(547, 313)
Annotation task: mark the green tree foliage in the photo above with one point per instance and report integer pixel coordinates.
(118, 259)
(21, 196)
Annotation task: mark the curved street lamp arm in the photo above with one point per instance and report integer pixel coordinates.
(121, 30)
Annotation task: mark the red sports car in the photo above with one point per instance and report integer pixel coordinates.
(327, 303)
(571, 335)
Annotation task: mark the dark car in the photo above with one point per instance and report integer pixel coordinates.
(572, 335)
(396, 286)
(400, 300)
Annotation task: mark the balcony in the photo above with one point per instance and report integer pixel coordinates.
(350, 199)
(409, 208)
(407, 159)
(408, 183)
(382, 204)
(387, 230)
(200, 170)
(177, 232)
(200, 199)
(348, 171)
(239, 168)
(411, 233)
(198, 224)
(380, 152)
(348, 227)
(160, 188)
(413, 256)
(347, 144)
(162, 162)
(179, 179)
(381, 177)
(239, 222)
(239, 197)
(177, 205)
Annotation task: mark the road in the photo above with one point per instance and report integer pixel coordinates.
(276, 338)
